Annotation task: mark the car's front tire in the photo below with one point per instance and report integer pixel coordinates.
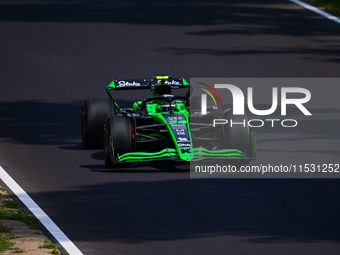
(93, 115)
(117, 138)
(238, 136)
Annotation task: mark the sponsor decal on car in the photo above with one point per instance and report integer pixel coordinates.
(184, 145)
(173, 82)
(128, 84)
(182, 139)
(176, 118)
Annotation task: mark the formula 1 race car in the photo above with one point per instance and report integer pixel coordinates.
(158, 127)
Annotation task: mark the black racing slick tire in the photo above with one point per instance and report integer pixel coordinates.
(93, 115)
(117, 138)
(238, 135)
(195, 102)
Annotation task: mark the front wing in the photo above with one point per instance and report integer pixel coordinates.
(171, 154)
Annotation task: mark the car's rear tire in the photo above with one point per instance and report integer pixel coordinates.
(238, 136)
(195, 102)
(117, 138)
(93, 115)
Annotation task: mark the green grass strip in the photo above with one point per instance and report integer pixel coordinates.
(332, 6)
(48, 245)
(5, 243)
(19, 215)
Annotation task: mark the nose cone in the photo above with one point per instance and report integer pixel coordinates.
(185, 154)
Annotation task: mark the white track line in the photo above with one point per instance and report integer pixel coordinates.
(40, 214)
(314, 9)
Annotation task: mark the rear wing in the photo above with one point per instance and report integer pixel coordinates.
(146, 83)
(175, 83)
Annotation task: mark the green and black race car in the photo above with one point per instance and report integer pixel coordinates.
(163, 126)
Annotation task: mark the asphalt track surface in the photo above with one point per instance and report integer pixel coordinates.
(55, 54)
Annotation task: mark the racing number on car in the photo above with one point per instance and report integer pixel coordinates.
(174, 122)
